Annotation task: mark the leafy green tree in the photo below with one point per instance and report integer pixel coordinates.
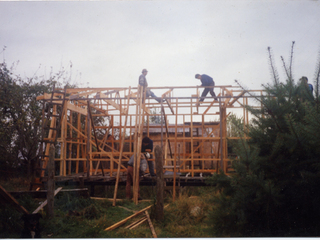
(20, 116)
(20, 119)
(274, 190)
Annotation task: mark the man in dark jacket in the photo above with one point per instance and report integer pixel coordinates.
(206, 81)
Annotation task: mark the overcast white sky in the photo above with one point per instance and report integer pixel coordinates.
(110, 42)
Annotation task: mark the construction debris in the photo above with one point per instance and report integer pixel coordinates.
(136, 223)
(118, 224)
(150, 224)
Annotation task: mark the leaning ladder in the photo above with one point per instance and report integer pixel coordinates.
(52, 113)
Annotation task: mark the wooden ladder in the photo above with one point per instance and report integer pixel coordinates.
(52, 113)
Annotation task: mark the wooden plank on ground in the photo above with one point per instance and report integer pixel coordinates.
(151, 225)
(8, 198)
(139, 222)
(108, 199)
(127, 209)
(135, 222)
(126, 219)
(45, 202)
(119, 200)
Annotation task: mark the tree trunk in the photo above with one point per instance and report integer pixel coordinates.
(51, 184)
(159, 167)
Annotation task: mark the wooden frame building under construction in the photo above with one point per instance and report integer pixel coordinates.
(96, 130)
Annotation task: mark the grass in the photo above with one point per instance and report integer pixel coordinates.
(16, 184)
(77, 217)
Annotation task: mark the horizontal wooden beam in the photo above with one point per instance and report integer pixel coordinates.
(76, 109)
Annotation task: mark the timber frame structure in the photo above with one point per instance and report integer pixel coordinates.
(97, 130)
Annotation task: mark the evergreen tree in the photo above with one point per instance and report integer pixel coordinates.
(274, 190)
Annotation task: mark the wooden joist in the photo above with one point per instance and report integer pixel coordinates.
(211, 104)
(168, 101)
(112, 103)
(76, 108)
(236, 98)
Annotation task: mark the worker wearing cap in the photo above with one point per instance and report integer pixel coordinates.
(206, 81)
(143, 82)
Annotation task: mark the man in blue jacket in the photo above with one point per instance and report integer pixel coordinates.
(309, 86)
(206, 81)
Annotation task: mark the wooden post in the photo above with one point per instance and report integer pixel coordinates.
(159, 168)
(175, 158)
(221, 137)
(78, 141)
(137, 152)
(191, 138)
(51, 185)
(46, 201)
(95, 138)
(70, 144)
(51, 135)
(121, 151)
(88, 140)
(135, 146)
